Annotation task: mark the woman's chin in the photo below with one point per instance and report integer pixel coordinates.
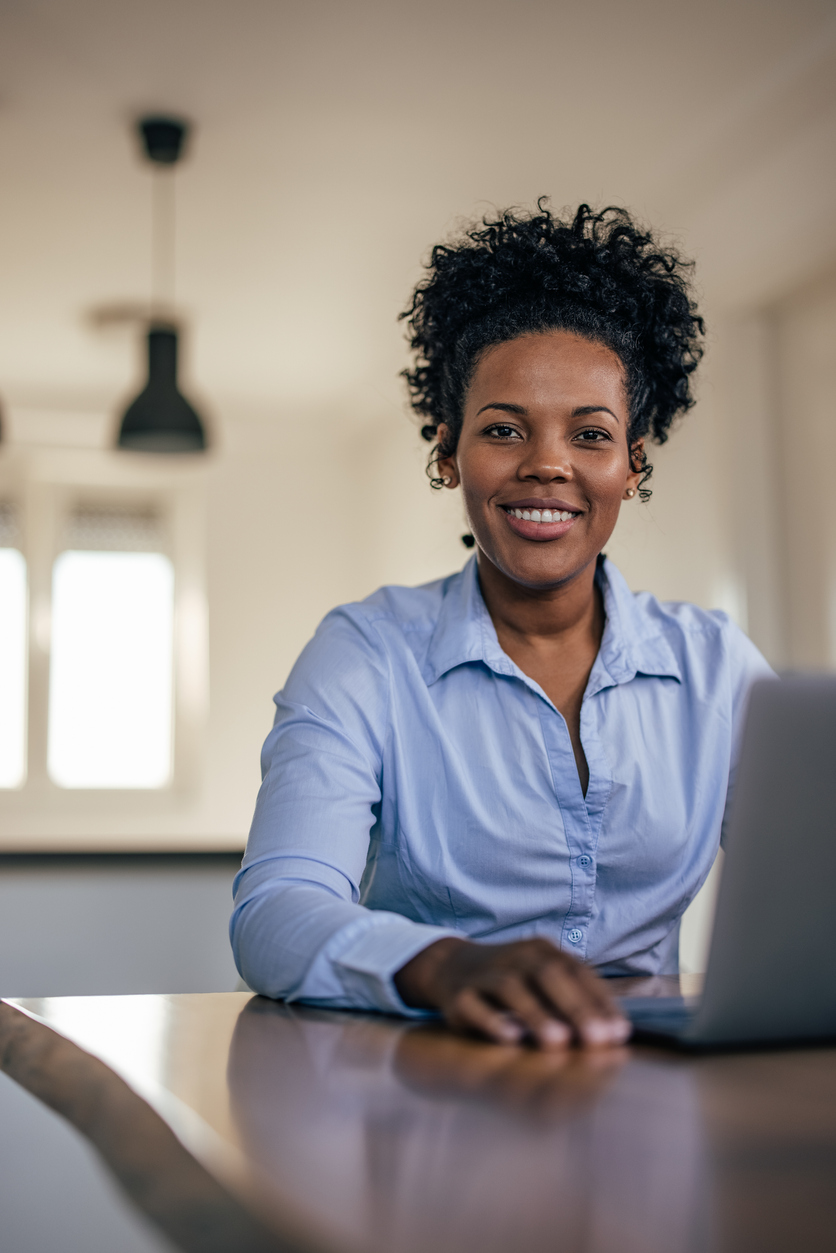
(540, 567)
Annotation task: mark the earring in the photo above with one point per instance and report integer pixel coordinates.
(447, 480)
(631, 491)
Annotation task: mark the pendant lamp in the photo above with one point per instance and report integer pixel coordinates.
(161, 420)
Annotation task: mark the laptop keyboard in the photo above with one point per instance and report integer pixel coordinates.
(670, 1014)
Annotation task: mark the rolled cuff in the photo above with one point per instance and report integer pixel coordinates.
(364, 958)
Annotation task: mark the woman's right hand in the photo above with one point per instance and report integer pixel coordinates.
(529, 989)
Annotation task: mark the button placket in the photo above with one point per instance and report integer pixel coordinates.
(573, 809)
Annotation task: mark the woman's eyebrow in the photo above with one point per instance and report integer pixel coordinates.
(506, 408)
(584, 410)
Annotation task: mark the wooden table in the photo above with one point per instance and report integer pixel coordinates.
(241, 1124)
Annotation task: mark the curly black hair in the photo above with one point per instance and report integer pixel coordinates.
(597, 274)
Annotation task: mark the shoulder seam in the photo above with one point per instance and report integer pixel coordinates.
(382, 615)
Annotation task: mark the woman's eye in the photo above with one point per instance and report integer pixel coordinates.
(592, 436)
(501, 431)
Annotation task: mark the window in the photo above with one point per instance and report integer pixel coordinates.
(104, 668)
(110, 683)
(13, 618)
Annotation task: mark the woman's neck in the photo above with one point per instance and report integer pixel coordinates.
(551, 618)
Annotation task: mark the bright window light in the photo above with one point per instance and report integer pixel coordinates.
(110, 694)
(12, 667)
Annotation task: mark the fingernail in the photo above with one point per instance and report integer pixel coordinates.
(622, 1029)
(510, 1031)
(555, 1033)
(606, 1030)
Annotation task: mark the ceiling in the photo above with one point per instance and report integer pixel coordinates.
(336, 140)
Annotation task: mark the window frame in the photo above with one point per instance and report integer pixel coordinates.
(24, 710)
(46, 484)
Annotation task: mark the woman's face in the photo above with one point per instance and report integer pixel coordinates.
(544, 429)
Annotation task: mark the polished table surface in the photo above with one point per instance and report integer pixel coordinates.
(301, 1129)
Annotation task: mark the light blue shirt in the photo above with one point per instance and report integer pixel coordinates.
(417, 784)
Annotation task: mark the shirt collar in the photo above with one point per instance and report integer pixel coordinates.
(632, 643)
(464, 631)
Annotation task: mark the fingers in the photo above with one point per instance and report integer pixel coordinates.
(577, 995)
(525, 989)
(469, 1011)
(530, 1010)
(506, 1010)
(592, 988)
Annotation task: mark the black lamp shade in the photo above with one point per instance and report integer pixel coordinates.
(163, 139)
(160, 419)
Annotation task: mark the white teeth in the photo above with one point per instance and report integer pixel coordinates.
(545, 515)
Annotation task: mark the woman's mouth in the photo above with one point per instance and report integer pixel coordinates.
(540, 524)
(542, 515)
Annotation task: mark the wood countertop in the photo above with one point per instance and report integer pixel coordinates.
(244, 1124)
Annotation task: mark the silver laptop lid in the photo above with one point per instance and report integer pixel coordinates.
(772, 964)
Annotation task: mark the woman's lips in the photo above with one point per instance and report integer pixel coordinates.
(529, 529)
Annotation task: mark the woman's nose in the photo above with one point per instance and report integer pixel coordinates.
(546, 461)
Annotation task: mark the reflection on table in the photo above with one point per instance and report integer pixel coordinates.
(348, 1131)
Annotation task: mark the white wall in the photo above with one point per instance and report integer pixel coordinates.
(82, 926)
(805, 337)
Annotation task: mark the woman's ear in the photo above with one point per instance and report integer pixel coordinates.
(636, 467)
(447, 469)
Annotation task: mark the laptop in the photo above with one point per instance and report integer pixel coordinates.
(771, 973)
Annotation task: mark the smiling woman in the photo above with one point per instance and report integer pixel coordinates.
(482, 795)
(560, 384)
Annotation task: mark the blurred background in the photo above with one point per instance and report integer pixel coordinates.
(330, 145)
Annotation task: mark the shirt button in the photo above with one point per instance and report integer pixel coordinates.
(584, 860)
(575, 936)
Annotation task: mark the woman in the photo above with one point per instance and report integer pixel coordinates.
(480, 792)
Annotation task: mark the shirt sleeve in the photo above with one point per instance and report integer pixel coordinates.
(298, 931)
(746, 665)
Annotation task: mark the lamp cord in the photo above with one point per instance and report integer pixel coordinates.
(162, 244)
